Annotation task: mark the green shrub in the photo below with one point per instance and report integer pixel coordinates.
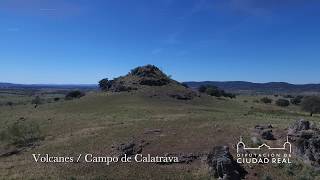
(9, 103)
(74, 94)
(297, 100)
(21, 133)
(266, 100)
(202, 88)
(215, 91)
(289, 96)
(37, 100)
(282, 102)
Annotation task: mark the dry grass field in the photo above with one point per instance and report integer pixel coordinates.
(97, 121)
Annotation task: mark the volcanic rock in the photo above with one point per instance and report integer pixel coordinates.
(223, 166)
(130, 148)
(306, 138)
(265, 131)
(267, 134)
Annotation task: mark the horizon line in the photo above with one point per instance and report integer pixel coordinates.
(191, 81)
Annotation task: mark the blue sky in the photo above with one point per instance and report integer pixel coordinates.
(83, 41)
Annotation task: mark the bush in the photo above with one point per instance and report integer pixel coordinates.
(215, 91)
(282, 102)
(21, 133)
(297, 100)
(311, 104)
(9, 103)
(288, 96)
(202, 88)
(37, 100)
(56, 99)
(266, 100)
(74, 94)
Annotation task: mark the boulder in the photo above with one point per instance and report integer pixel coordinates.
(267, 134)
(306, 138)
(130, 148)
(223, 166)
(265, 131)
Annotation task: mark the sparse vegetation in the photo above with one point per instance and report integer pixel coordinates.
(21, 133)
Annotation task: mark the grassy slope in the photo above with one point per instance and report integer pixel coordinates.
(99, 120)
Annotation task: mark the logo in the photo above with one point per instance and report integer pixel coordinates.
(264, 154)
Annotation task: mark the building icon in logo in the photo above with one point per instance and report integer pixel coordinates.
(286, 146)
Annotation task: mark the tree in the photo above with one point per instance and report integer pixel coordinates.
(282, 102)
(9, 104)
(104, 84)
(311, 104)
(266, 100)
(56, 99)
(214, 91)
(74, 94)
(202, 88)
(36, 101)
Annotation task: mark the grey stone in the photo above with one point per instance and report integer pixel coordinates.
(223, 166)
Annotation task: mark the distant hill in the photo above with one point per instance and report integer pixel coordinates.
(259, 88)
(47, 86)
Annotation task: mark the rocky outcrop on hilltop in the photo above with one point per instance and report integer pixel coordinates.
(152, 81)
(306, 138)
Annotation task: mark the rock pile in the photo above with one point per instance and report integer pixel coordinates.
(150, 75)
(223, 166)
(130, 148)
(265, 131)
(306, 138)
